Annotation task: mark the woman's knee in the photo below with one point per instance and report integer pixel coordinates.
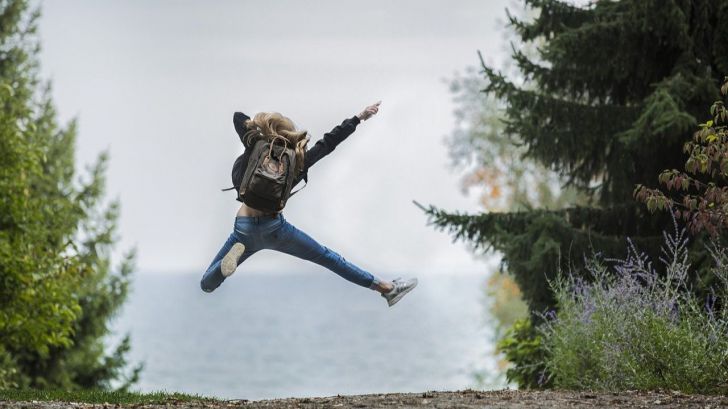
(206, 287)
(207, 284)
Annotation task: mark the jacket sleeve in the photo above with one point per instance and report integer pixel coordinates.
(326, 145)
(239, 119)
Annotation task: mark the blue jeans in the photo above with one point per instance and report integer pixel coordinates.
(275, 233)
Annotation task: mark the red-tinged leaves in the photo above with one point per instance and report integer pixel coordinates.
(706, 209)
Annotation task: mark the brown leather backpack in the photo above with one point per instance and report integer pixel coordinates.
(268, 179)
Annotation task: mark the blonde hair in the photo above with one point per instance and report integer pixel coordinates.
(274, 124)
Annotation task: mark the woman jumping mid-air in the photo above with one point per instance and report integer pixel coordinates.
(276, 159)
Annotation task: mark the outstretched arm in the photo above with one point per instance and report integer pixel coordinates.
(337, 135)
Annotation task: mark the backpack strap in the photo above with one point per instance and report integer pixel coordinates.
(230, 188)
(305, 183)
(300, 189)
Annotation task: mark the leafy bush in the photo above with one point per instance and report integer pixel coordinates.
(631, 328)
(523, 346)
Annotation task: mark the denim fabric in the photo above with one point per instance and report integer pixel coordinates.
(275, 233)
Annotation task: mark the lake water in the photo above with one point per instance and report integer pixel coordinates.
(275, 335)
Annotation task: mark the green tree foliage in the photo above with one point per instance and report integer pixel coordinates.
(495, 165)
(493, 159)
(57, 290)
(607, 103)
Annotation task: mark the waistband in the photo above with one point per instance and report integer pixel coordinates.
(260, 219)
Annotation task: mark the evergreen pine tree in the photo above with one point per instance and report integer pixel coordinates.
(615, 90)
(57, 288)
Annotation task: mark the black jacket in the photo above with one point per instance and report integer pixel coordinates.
(321, 148)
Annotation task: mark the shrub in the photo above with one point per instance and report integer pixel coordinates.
(523, 346)
(631, 328)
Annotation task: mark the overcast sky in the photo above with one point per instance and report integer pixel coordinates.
(156, 84)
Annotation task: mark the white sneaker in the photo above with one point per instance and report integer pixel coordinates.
(230, 261)
(401, 288)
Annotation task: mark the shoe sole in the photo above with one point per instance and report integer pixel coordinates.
(230, 261)
(402, 294)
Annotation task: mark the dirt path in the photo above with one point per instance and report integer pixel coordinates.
(461, 399)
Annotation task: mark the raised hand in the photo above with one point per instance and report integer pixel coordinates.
(369, 111)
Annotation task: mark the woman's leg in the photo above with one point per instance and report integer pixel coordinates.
(213, 277)
(292, 241)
